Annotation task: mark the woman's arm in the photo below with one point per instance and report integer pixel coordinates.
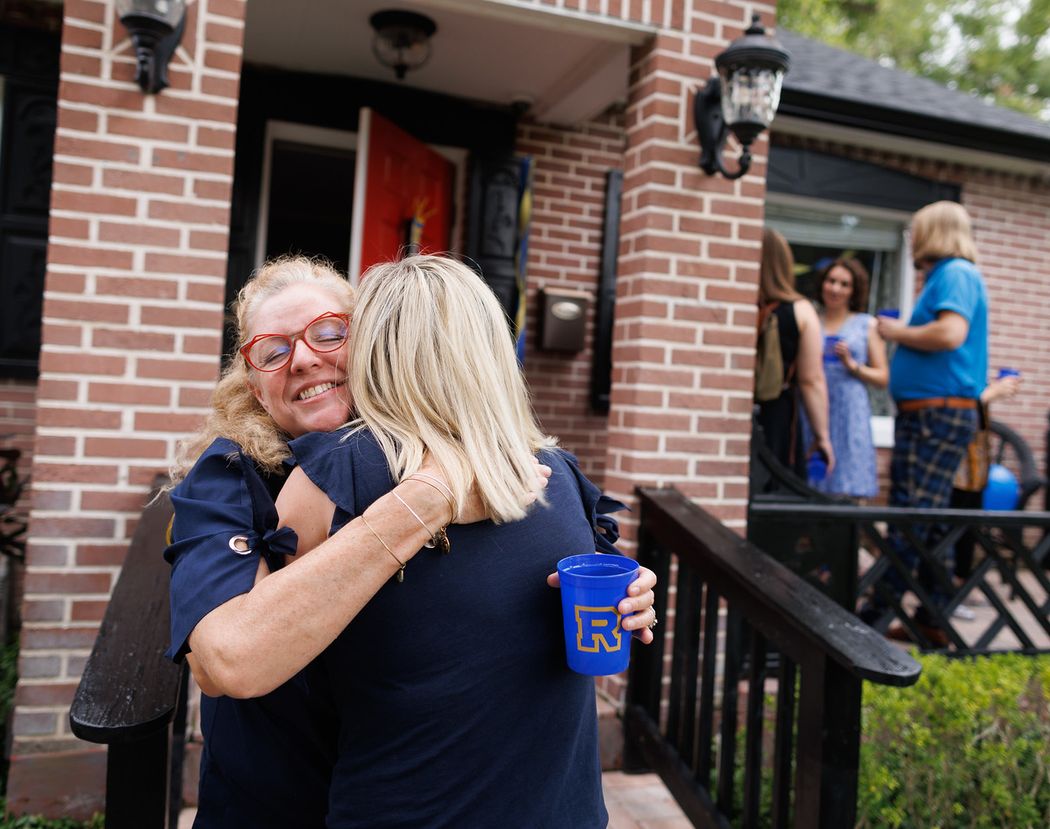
(257, 641)
(811, 382)
(876, 372)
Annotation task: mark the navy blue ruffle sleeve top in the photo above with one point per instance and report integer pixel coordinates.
(266, 762)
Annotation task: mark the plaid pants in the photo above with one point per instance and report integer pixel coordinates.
(929, 445)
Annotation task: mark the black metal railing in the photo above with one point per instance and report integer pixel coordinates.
(1015, 549)
(751, 637)
(130, 697)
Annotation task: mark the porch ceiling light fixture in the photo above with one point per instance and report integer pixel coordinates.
(402, 39)
(743, 98)
(156, 28)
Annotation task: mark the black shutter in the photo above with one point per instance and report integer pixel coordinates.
(492, 225)
(604, 313)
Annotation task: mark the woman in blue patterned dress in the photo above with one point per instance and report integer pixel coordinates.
(856, 359)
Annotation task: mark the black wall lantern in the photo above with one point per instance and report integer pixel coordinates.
(156, 28)
(402, 39)
(743, 98)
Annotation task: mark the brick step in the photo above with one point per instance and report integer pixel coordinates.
(610, 736)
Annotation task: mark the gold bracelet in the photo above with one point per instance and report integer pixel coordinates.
(451, 503)
(439, 484)
(438, 540)
(401, 564)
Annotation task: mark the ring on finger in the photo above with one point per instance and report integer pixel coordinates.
(654, 622)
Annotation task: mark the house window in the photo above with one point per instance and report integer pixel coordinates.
(820, 232)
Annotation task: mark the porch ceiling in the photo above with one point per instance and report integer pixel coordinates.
(569, 67)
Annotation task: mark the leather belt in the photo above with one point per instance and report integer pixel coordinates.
(936, 403)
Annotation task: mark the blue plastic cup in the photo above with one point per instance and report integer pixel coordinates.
(1002, 490)
(830, 341)
(892, 313)
(592, 587)
(1008, 372)
(816, 467)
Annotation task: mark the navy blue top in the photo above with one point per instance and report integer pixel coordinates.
(456, 706)
(267, 761)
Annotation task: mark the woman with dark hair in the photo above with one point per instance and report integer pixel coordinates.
(800, 347)
(854, 356)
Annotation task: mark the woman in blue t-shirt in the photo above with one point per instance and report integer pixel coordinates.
(266, 714)
(455, 703)
(936, 378)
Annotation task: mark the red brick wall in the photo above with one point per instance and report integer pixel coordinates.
(1012, 229)
(683, 351)
(131, 336)
(565, 241)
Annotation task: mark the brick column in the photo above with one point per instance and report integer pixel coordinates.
(131, 338)
(683, 351)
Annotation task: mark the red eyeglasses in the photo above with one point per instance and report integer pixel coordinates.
(272, 352)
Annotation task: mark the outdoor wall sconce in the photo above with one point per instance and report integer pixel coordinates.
(743, 98)
(402, 39)
(156, 28)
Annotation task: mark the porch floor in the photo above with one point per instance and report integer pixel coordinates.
(635, 801)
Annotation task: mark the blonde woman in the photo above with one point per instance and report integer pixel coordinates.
(248, 625)
(455, 705)
(937, 375)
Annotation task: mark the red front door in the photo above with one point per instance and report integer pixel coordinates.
(398, 177)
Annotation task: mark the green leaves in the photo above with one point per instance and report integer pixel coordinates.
(997, 49)
(967, 746)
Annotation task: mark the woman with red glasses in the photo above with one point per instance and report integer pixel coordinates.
(248, 625)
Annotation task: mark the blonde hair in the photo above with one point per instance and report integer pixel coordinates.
(432, 368)
(776, 277)
(235, 413)
(940, 231)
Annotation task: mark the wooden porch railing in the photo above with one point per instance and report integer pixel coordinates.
(1012, 542)
(130, 697)
(745, 625)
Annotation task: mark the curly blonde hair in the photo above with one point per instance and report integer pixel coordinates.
(235, 413)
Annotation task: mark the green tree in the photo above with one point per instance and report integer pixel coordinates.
(998, 49)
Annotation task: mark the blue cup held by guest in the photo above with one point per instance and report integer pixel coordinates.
(1008, 372)
(816, 467)
(592, 587)
(1002, 490)
(890, 313)
(830, 341)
